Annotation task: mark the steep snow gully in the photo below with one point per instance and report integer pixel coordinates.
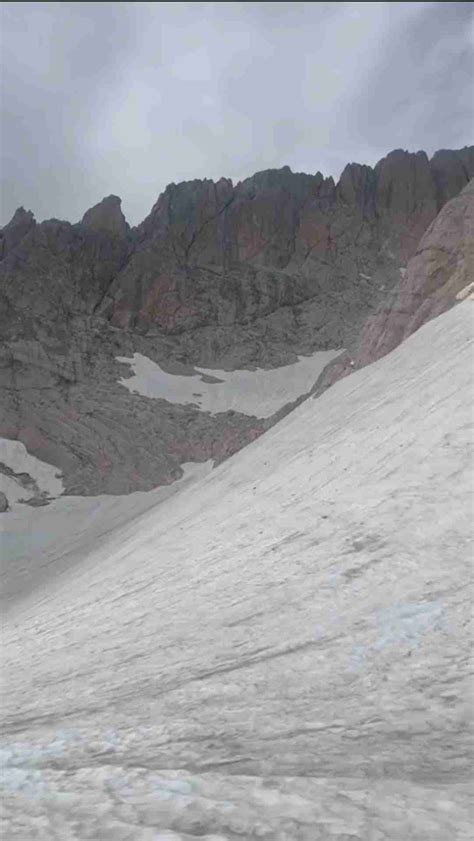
(280, 650)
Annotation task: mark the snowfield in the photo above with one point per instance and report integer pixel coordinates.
(261, 393)
(278, 651)
(38, 543)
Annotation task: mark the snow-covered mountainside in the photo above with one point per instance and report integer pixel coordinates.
(278, 651)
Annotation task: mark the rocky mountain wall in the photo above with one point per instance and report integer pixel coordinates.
(218, 276)
(440, 274)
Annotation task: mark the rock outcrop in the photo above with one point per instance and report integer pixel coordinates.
(107, 216)
(214, 255)
(21, 222)
(440, 274)
(56, 272)
(217, 276)
(3, 503)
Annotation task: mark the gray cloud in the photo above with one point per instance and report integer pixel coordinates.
(123, 98)
(422, 89)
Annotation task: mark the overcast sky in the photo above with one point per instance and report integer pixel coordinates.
(123, 98)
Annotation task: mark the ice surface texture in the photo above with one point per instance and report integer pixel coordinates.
(278, 651)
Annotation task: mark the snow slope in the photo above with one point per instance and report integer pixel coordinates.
(39, 544)
(279, 651)
(261, 392)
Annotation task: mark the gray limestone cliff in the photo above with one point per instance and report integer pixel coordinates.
(219, 276)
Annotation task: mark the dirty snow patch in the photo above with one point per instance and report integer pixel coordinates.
(260, 393)
(14, 455)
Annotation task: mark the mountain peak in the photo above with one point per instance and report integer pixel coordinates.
(107, 216)
(20, 217)
(21, 222)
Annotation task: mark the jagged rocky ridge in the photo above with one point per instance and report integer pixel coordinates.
(217, 276)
